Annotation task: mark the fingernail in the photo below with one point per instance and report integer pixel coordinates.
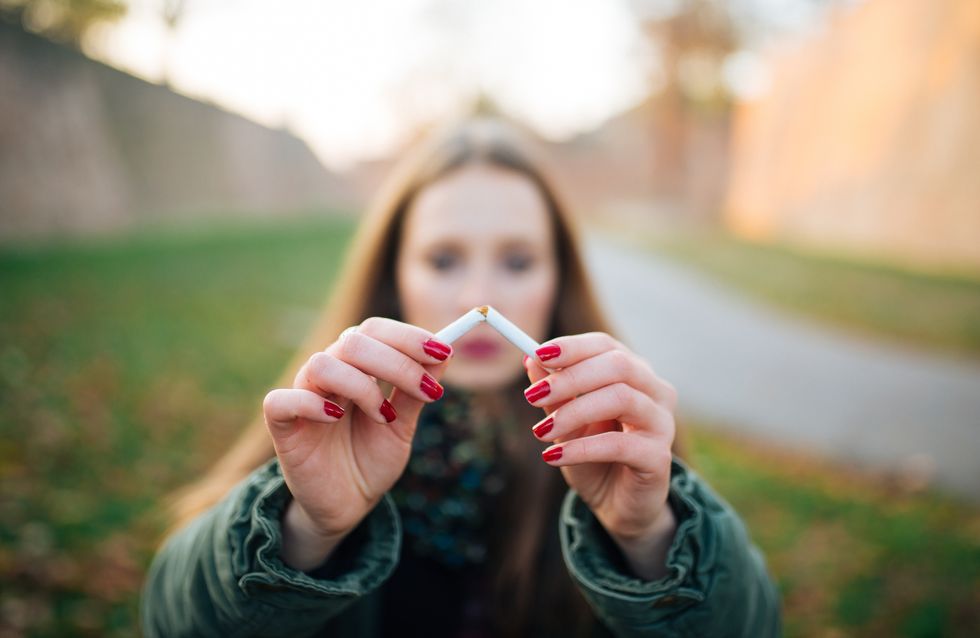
(437, 349)
(387, 411)
(544, 427)
(551, 455)
(537, 391)
(547, 352)
(525, 360)
(431, 387)
(332, 409)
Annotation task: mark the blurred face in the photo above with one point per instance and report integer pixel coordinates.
(478, 236)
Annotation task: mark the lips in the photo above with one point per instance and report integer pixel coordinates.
(479, 348)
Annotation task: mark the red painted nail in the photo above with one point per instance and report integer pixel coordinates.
(431, 387)
(387, 411)
(544, 427)
(551, 455)
(525, 360)
(547, 352)
(332, 409)
(537, 391)
(437, 349)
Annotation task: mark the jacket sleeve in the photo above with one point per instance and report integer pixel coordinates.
(221, 575)
(717, 582)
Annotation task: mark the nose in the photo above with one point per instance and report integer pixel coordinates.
(478, 289)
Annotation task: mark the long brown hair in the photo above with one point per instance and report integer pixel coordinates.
(366, 287)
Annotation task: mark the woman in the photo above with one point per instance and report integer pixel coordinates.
(398, 485)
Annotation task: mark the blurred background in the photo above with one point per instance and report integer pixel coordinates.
(791, 187)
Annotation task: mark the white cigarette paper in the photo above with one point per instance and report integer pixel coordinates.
(461, 326)
(512, 333)
(500, 323)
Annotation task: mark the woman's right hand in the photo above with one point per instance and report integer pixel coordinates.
(341, 444)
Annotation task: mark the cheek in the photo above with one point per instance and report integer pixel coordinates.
(420, 296)
(411, 292)
(533, 301)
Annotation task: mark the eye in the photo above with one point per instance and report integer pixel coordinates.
(443, 260)
(518, 262)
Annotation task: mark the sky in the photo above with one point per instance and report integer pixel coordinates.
(354, 78)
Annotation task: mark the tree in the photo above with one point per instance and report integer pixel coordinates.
(62, 20)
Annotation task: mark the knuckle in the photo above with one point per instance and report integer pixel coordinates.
(350, 346)
(368, 390)
(631, 400)
(278, 406)
(568, 380)
(617, 446)
(558, 422)
(598, 337)
(370, 325)
(622, 393)
(319, 363)
(572, 414)
(271, 401)
(639, 402)
(646, 366)
(662, 457)
(620, 363)
(608, 341)
(406, 368)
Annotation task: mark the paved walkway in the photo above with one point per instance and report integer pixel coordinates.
(747, 367)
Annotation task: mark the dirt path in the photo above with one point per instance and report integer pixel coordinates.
(750, 368)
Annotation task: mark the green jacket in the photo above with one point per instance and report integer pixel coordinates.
(221, 575)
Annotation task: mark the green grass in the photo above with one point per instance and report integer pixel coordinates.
(853, 554)
(126, 366)
(920, 309)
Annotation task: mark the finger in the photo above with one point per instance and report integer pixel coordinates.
(282, 407)
(422, 346)
(536, 373)
(616, 402)
(641, 454)
(565, 351)
(534, 370)
(388, 364)
(603, 369)
(407, 407)
(410, 340)
(338, 380)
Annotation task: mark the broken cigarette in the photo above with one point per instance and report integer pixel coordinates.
(461, 326)
(512, 333)
(500, 323)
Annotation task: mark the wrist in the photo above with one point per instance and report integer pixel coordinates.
(646, 552)
(304, 547)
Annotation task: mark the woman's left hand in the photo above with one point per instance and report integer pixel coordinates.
(611, 419)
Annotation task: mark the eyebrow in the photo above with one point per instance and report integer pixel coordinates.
(455, 243)
(517, 242)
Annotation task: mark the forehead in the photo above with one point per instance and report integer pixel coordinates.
(479, 202)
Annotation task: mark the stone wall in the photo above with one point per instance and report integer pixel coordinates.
(86, 149)
(869, 140)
